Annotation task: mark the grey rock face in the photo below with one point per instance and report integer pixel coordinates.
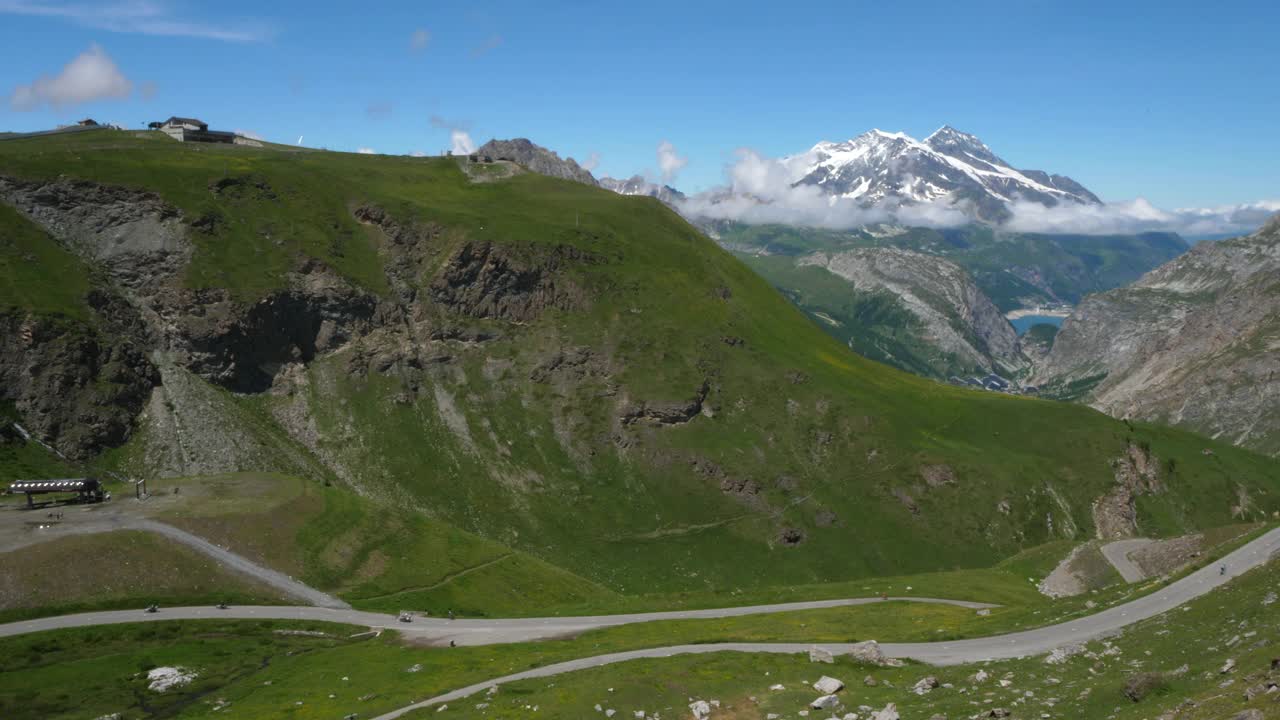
(134, 235)
(537, 159)
(958, 318)
(1195, 342)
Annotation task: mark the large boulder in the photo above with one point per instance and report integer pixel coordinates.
(828, 685)
(825, 702)
(869, 652)
(817, 654)
(925, 685)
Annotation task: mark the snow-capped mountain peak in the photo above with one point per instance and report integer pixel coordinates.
(950, 166)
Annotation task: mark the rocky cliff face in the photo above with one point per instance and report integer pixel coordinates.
(537, 159)
(1195, 342)
(75, 385)
(957, 317)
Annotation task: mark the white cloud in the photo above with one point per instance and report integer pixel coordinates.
(763, 190)
(144, 17)
(1139, 215)
(669, 162)
(459, 137)
(367, 151)
(417, 153)
(461, 140)
(419, 40)
(592, 162)
(90, 76)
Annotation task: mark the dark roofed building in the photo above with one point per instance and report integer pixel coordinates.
(186, 123)
(88, 489)
(193, 130)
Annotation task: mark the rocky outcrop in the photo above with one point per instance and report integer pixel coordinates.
(1137, 472)
(483, 280)
(1195, 342)
(74, 386)
(671, 413)
(537, 159)
(243, 346)
(408, 248)
(134, 235)
(956, 316)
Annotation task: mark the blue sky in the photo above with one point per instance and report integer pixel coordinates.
(1176, 102)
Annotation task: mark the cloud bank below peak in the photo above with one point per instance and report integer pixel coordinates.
(764, 190)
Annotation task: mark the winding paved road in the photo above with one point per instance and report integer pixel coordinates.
(439, 630)
(1019, 644)
(477, 632)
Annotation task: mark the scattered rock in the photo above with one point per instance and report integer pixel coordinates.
(869, 681)
(1250, 714)
(1269, 599)
(825, 702)
(1139, 685)
(890, 712)
(998, 713)
(828, 685)
(700, 708)
(790, 536)
(164, 678)
(1227, 667)
(938, 475)
(1255, 690)
(984, 612)
(817, 654)
(1060, 655)
(925, 685)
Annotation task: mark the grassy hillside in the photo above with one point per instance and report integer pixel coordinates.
(626, 400)
(130, 569)
(375, 557)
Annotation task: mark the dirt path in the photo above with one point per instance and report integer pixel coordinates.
(241, 564)
(1117, 553)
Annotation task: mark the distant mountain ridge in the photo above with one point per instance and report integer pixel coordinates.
(1195, 342)
(878, 168)
(637, 185)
